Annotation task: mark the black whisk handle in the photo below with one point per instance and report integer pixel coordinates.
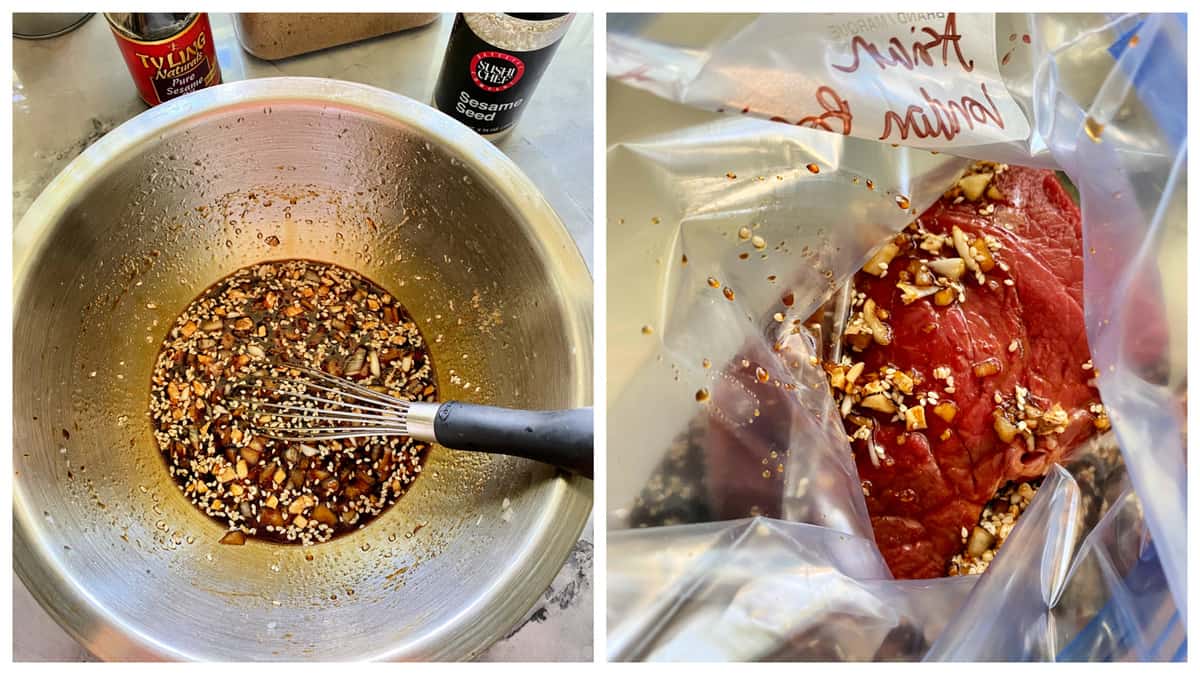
(562, 438)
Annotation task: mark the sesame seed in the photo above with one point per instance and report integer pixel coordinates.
(326, 317)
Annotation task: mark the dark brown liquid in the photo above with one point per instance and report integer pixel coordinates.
(237, 332)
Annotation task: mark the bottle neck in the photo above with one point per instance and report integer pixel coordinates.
(149, 26)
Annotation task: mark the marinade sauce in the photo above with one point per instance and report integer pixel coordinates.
(239, 332)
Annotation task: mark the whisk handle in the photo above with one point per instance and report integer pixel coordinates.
(559, 437)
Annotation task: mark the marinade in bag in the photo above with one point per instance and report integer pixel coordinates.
(1095, 566)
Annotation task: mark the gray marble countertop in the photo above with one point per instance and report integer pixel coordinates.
(71, 90)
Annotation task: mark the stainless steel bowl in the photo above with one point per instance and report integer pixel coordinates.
(182, 195)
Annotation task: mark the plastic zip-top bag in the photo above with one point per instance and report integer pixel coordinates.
(738, 524)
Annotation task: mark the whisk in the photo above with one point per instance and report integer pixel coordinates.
(317, 406)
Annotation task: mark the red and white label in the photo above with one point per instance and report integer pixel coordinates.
(496, 71)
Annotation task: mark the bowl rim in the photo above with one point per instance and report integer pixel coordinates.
(515, 590)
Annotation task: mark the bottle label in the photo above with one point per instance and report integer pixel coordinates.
(496, 71)
(169, 68)
(484, 87)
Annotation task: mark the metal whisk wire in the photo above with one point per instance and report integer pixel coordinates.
(324, 407)
(346, 410)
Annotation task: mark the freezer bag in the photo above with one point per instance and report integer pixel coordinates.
(725, 231)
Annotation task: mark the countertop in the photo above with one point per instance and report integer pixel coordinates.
(71, 90)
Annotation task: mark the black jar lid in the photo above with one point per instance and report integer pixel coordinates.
(535, 16)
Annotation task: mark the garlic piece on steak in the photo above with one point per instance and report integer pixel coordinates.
(951, 268)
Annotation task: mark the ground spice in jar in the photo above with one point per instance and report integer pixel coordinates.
(239, 331)
(167, 54)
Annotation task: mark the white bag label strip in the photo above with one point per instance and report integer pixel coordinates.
(960, 102)
(919, 79)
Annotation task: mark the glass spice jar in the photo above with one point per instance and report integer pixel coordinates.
(493, 63)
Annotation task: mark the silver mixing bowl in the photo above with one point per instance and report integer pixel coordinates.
(172, 201)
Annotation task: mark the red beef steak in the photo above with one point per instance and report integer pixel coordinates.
(965, 361)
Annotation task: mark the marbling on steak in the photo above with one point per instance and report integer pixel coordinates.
(930, 483)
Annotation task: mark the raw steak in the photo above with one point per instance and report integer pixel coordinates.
(1006, 359)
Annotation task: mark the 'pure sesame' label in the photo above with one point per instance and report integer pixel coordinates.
(169, 68)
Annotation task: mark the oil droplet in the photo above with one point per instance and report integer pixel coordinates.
(902, 201)
(1133, 41)
(702, 394)
(743, 256)
(870, 184)
(308, 557)
(744, 233)
(767, 473)
(789, 299)
(647, 330)
(758, 242)
(365, 547)
(728, 293)
(706, 363)
(813, 168)
(712, 281)
(771, 277)
(684, 259)
(272, 240)
(1093, 129)
(761, 374)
